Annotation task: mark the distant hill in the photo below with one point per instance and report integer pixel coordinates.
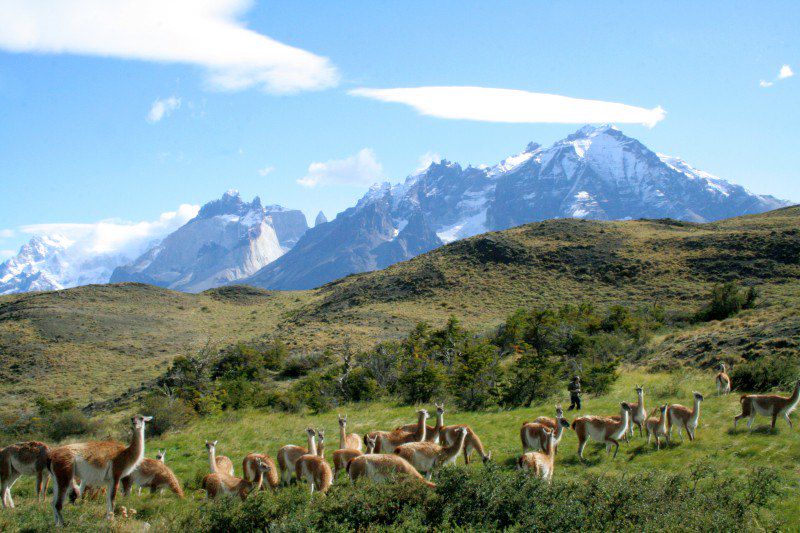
(96, 341)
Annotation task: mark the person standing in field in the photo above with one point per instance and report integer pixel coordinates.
(574, 389)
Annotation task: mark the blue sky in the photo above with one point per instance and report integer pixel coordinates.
(81, 142)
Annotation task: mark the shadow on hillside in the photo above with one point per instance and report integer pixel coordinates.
(587, 460)
(759, 430)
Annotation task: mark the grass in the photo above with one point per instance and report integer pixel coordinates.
(718, 448)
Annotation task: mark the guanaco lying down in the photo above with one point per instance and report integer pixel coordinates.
(426, 456)
(380, 467)
(222, 484)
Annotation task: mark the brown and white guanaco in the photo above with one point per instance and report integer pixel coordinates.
(603, 429)
(289, 454)
(24, 458)
(426, 456)
(222, 484)
(771, 405)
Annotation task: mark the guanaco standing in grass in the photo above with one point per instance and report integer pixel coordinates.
(723, 380)
(604, 429)
(657, 427)
(431, 432)
(250, 469)
(348, 440)
(95, 463)
(426, 456)
(314, 468)
(289, 454)
(24, 458)
(222, 484)
(683, 418)
(380, 467)
(449, 434)
(342, 457)
(768, 405)
(153, 474)
(542, 463)
(387, 441)
(218, 463)
(534, 437)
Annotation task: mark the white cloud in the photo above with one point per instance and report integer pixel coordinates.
(266, 170)
(115, 236)
(426, 159)
(206, 33)
(5, 254)
(6, 233)
(509, 105)
(360, 169)
(784, 73)
(163, 107)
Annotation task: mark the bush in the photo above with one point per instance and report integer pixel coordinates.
(493, 498)
(534, 376)
(598, 379)
(71, 422)
(360, 386)
(301, 365)
(765, 374)
(725, 301)
(168, 413)
(421, 382)
(318, 391)
(475, 376)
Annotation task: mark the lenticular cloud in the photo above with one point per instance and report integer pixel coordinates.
(199, 32)
(509, 105)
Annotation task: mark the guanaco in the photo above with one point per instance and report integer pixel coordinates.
(723, 380)
(603, 429)
(426, 456)
(768, 405)
(387, 441)
(348, 440)
(289, 454)
(95, 463)
(342, 457)
(222, 484)
(218, 463)
(542, 463)
(449, 434)
(153, 474)
(380, 467)
(24, 458)
(534, 437)
(431, 432)
(250, 469)
(684, 418)
(657, 427)
(314, 468)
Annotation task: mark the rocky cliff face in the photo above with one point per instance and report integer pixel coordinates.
(595, 173)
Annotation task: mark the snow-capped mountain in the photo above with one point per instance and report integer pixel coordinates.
(229, 239)
(53, 262)
(595, 173)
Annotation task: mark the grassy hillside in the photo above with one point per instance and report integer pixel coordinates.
(91, 343)
(718, 452)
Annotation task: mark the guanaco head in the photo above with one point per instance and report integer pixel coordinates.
(439, 408)
(138, 421)
(549, 437)
(487, 459)
(663, 409)
(563, 422)
(639, 390)
(211, 446)
(698, 396)
(423, 413)
(625, 406)
(262, 466)
(310, 432)
(161, 455)
(371, 443)
(559, 411)
(721, 367)
(342, 421)
(320, 435)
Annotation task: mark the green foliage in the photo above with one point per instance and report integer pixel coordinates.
(169, 413)
(534, 376)
(598, 379)
(318, 391)
(250, 361)
(494, 499)
(300, 365)
(765, 374)
(725, 301)
(421, 381)
(476, 375)
(59, 419)
(359, 385)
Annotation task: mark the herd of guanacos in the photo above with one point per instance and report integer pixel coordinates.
(414, 450)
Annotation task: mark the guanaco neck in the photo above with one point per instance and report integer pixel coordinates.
(624, 418)
(640, 395)
(342, 436)
(795, 397)
(321, 449)
(449, 451)
(696, 410)
(559, 430)
(136, 449)
(421, 427)
(212, 459)
(439, 423)
(312, 444)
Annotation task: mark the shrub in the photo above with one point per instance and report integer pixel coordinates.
(318, 391)
(765, 374)
(534, 376)
(72, 422)
(168, 413)
(597, 379)
(725, 301)
(475, 376)
(301, 365)
(421, 381)
(359, 385)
